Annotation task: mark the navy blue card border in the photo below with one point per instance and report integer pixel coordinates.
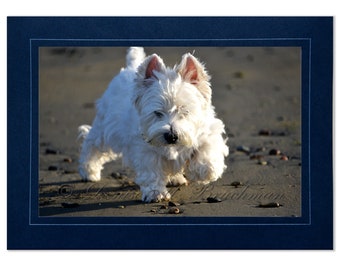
(26, 230)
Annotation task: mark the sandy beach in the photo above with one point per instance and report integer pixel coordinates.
(257, 94)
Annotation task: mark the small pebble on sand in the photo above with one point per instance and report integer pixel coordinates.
(274, 152)
(236, 184)
(214, 199)
(269, 205)
(262, 162)
(174, 210)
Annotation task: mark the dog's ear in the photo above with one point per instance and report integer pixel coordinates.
(192, 71)
(151, 69)
(151, 66)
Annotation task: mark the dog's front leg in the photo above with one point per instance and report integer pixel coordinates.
(207, 163)
(152, 184)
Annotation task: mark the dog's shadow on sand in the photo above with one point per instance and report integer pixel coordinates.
(67, 197)
(67, 208)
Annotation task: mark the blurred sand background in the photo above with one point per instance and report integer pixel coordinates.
(257, 94)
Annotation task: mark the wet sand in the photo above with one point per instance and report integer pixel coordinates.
(256, 92)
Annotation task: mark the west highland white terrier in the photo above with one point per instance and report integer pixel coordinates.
(161, 122)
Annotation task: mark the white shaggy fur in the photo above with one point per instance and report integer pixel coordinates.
(160, 121)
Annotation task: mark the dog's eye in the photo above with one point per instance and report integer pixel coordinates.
(158, 114)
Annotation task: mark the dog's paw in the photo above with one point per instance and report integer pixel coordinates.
(202, 173)
(177, 180)
(89, 177)
(153, 196)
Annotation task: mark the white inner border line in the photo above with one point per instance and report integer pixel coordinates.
(176, 224)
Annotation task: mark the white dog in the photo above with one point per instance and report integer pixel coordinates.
(161, 122)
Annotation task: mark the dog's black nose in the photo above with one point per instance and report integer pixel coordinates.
(170, 137)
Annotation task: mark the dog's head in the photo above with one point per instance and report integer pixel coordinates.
(172, 103)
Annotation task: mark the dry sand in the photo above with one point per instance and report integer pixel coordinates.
(254, 89)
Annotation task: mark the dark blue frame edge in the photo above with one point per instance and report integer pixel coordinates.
(317, 233)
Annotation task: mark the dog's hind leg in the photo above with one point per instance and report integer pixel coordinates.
(92, 155)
